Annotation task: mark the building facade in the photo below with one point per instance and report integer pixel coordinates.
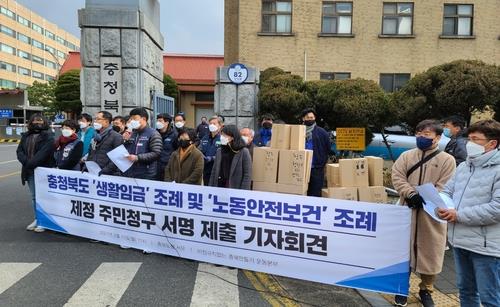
(31, 48)
(385, 41)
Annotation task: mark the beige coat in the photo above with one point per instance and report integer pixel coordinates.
(428, 237)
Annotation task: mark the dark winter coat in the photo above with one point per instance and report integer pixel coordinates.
(240, 175)
(189, 170)
(99, 150)
(43, 153)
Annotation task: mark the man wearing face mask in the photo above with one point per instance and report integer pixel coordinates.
(169, 137)
(263, 137)
(186, 163)
(317, 140)
(247, 134)
(424, 164)
(86, 133)
(144, 146)
(119, 124)
(179, 121)
(202, 128)
(454, 129)
(209, 145)
(474, 223)
(104, 141)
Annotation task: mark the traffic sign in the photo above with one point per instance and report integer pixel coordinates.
(237, 73)
(6, 113)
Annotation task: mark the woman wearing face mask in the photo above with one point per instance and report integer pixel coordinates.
(35, 149)
(233, 164)
(86, 133)
(68, 147)
(186, 163)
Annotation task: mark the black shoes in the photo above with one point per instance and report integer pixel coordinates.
(400, 300)
(426, 298)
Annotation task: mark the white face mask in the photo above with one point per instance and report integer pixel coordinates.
(67, 132)
(245, 139)
(97, 126)
(83, 125)
(129, 129)
(213, 128)
(160, 125)
(134, 124)
(224, 140)
(474, 150)
(179, 125)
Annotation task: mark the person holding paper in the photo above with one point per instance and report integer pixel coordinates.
(186, 163)
(105, 140)
(424, 164)
(144, 146)
(474, 223)
(68, 147)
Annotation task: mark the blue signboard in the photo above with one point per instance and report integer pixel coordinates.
(6, 113)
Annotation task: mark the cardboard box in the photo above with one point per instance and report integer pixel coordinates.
(292, 189)
(375, 171)
(294, 167)
(297, 137)
(265, 164)
(264, 186)
(341, 193)
(354, 172)
(333, 175)
(280, 138)
(373, 194)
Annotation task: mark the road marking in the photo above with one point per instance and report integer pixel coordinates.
(270, 289)
(10, 161)
(12, 272)
(11, 174)
(212, 291)
(106, 285)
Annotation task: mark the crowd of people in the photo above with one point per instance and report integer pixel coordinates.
(220, 155)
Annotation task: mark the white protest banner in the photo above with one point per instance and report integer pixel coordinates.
(351, 244)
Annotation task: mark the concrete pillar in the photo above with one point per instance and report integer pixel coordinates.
(121, 53)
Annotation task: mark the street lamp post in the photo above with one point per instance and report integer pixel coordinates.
(57, 61)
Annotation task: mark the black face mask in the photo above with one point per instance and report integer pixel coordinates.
(117, 129)
(184, 143)
(309, 122)
(267, 125)
(37, 127)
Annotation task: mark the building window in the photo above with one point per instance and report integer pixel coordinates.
(37, 59)
(37, 28)
(70, 45)
(50, 35)
(334, 75)
(50, 49)
(397, 19)
(201, 96)
(23, 71)
(7, 84)
(50, 64)
(49, 78)
(37, 43)
(458, 19)
(23, 55)
(37, 75)
(23, 38)
(61, 54)
(23, 21)
(276, 16)
(8, 31)
(7, 12)
(393, 82)
(22, 85)
(7, 66)
(7, 49)
(337, 18)
(60, 40)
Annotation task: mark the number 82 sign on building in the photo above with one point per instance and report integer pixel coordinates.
(237, 73)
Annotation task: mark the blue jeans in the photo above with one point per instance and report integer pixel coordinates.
(478, 278)
(31, 186)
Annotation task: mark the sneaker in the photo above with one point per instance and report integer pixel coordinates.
(400, 300)
(39, 229)
(124, 247)
(31, 226)
(146, 252)
(426, 298)
(446, 248)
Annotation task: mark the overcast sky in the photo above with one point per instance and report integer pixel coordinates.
(188, 26)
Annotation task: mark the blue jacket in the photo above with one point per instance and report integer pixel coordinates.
(208, 147)
(87, 139)
(169, 139)
(146, 144)
(263, 137)
(320, 146)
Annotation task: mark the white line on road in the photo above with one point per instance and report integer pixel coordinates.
(10, 161)
(212, 291)
(12, 272)
(106, 285)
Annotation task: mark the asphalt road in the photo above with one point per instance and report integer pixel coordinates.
(52, 269)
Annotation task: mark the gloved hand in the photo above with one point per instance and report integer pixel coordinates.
(415, 201)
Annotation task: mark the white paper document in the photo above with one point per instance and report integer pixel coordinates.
(93, 167)
(119, 157)
(434, 200)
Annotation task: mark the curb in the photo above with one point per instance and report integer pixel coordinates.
(9, 141)
(374, 299)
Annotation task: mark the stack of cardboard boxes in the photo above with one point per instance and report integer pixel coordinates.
(285, 167)
(356, 179)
